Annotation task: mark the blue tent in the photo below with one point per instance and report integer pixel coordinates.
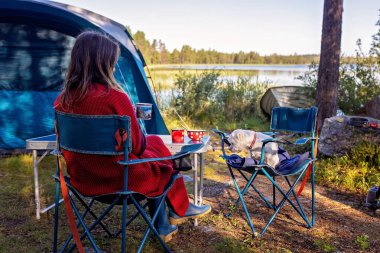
(36, 37)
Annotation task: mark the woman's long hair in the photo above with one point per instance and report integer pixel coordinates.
(93, 60)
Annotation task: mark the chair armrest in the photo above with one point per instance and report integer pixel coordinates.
(224, 140)
(277, 140)
(223, 136)
(303, 141)
(273, 134)
(300, 141)
(260, 166)
(186, 150)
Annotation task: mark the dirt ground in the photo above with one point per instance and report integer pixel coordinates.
(342, 223)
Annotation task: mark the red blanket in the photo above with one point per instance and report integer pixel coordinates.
(98, 174)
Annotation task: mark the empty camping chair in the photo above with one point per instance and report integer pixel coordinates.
(296, 123)
(107, 135)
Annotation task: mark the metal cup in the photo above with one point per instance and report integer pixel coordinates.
(178, 135)
(144, 111)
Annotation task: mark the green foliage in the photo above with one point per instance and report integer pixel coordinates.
(193, 95)
(358, 170)
(207, 99)
(310, 80)
(324, 245)
(363, 242)
(358, 82)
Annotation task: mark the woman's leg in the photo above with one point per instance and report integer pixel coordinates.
(180, 207)
(177, 197)
(162, 224)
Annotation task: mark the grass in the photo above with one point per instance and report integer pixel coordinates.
(363, 242)
(324, 245)
(21, 232)
(356, 171)
(227, 245)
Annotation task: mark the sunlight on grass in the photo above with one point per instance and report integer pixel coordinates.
(356, 171)
(26, 191)
(27, 160)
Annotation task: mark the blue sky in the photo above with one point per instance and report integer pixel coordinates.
(264, 26)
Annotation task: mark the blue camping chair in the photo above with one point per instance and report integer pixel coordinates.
(97, 135)
(293, 121)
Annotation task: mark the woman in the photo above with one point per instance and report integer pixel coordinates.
(90, 89)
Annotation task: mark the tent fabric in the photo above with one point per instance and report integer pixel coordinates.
(36, 38)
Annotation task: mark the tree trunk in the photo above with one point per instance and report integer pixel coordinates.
(328, 74)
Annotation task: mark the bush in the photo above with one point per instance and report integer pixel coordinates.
(193, 95)
(358, 82)
(208, 99)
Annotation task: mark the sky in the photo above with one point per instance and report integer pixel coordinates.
(263, 26)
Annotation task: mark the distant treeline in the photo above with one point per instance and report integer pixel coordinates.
(155, 52)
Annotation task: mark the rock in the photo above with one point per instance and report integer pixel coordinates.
(338, 136)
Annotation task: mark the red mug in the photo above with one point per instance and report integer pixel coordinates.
(178, 135)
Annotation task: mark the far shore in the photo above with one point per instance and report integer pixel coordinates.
(241, 65)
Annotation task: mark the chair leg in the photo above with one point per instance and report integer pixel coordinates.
(56, 209)
(254, 188)
(88, 209)
(313, 196)
(274, 193)
(242, 201)
(134, 216)
(150, 224)
(285, 198)
(90, 238)
(296, 198)
(124, 225)
(71, 235)
(249, 182)
(93, 225)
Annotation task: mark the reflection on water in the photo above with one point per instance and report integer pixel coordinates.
(277, 74)
(239, 67)
(281, 75)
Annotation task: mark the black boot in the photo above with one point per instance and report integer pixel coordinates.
(162, 224)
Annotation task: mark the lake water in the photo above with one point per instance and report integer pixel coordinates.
(277, 74)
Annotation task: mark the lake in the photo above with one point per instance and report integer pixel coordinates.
(164, 76)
